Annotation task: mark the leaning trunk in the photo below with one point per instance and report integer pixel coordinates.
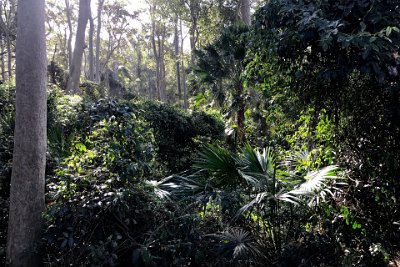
(75, 68)
(29, 158)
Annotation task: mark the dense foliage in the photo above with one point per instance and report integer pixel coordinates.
(286, 154)
(340, 57)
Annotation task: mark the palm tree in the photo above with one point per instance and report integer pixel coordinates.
(218, 69)
(264, 188)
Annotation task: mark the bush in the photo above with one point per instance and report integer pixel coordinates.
(178, 134)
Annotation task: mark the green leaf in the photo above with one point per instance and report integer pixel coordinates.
(220, 163)
(388, 31)
(81, 147)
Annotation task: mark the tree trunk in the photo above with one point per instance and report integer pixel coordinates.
(245, 11)
(161, 49)
(30, 140)
(185, 95)
(97, 60)
(2, 48)
(158, 51)
(193, 38)
(141, 88)
(75, 68)
(91, 52)
(69, 20)
(9, 54)
(3, 65)
(177, 60)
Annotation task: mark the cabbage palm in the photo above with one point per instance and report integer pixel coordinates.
(219, 68)
(238, 246)
(254, 175)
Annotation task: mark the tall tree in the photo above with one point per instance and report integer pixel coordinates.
(68, 9)
(245, 11)
(76, 64)
(2, 60)
(7, 27)
(100, 4)
(158, 36)
(185, 93)
(219, 67)
(177, 57)
(194, 11)
(91, 48)
(30, 140)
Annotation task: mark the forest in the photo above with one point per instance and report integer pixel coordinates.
(200, 133)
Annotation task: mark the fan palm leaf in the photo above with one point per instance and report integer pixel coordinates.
(220, 163)
(238, 244)
(257, 166)
(178, 185)
(315, 188)
(317, 185)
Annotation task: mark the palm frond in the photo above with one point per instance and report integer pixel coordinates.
(295, 160)
(317, 185)
(257, 167)
(259, 198)
(238, 244)
(256, 162)
(177, 185)
(220, 163)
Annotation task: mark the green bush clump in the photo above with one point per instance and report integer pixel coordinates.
(100, 208)
(178, 134)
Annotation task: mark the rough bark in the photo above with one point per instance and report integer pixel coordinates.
(76, 66)
(98, 31)
(29, 158)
